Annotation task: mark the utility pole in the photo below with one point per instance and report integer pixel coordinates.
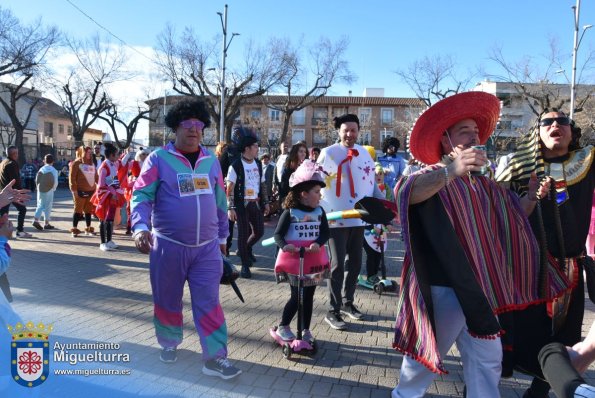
(226, 44)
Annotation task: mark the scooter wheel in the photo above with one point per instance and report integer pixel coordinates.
(379, 288)
(314, 349)
(286, 351)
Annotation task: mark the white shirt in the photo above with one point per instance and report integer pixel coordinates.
(280, 163)
(251, 179)
(362, 171)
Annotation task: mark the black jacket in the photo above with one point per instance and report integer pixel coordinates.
(9, 170)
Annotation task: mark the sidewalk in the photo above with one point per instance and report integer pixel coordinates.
(96, 297)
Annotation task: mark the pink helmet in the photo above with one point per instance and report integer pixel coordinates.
(307, 171)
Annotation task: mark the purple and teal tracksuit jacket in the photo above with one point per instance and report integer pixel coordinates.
(188, 219)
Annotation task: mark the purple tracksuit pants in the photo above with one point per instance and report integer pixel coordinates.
(171, 265)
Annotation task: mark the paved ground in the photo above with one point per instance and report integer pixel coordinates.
(92, 297)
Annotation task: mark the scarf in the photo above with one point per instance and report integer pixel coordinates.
(350, 154)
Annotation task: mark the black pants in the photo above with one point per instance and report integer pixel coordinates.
(29, 183)
(372, 260)
(292, 306)
(230, 237)
(250, 230)
(558, 370)
(20, 218)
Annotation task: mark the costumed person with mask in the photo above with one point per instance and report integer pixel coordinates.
(560, 221)
(82, 179)
(134, 168)
(109, 195)
(376, 235)
(470, 253)
(346, 164)
(393, 164)
(303, 223)
(246, 196)
(180, 193)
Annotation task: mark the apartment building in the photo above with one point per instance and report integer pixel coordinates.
(49, 129)
(379, 116)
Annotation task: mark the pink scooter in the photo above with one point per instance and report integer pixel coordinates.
(297, 344)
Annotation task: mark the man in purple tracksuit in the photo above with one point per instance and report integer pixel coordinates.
(179, 216)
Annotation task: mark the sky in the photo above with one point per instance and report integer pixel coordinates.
(385, 35)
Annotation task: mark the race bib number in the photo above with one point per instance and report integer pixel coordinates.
(202, 184)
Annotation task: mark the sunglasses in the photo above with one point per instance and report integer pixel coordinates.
(188, 124)
(548, 121)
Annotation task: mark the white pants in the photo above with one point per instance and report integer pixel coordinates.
(482, 358)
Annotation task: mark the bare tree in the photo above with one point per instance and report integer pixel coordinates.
(191, 65)
(533, 78)
(23, 52)
(433, 78)
(115, 120)
(84, 94)
(310, 74)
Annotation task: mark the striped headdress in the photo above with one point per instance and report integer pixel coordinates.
(527, 159)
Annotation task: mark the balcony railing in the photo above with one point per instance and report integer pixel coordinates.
(319, 120)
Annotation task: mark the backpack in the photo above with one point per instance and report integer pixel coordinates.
(45, 181)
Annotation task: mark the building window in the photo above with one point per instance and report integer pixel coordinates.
(274, 115)
(384, 134)
(319, 138)
(48, 129)
(364, 138)
(504, 125)
(298, 135)
(339, 111)
(255, 113)
(69, 129)
(319, 115)
(299, 117)
(365, 116)
(61, 128)
(387, 116)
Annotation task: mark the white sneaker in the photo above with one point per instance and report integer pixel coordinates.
(104, 247)
(23, 234)
(111, 244)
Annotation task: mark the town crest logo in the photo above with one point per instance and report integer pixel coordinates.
(29, 353)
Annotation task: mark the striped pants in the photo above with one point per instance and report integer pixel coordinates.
(202, 268)
(250, 230)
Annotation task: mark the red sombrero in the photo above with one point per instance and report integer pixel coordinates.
(424, 141)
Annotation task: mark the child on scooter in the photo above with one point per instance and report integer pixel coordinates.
(302, 224)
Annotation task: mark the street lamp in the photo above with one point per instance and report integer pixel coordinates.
(577, 43)
(226, 44)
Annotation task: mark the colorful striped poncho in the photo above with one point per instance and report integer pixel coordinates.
(493, 233)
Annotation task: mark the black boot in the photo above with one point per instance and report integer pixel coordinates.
(245, 273)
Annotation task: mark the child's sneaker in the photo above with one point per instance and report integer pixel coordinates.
(104, 247)
(75, 232)
(111, 244)
(89, 231)
(285, 333)
(220, 367)
(374, 279)
(37, 225)
(307, 336)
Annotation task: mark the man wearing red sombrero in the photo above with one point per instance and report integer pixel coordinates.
(470, 253)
